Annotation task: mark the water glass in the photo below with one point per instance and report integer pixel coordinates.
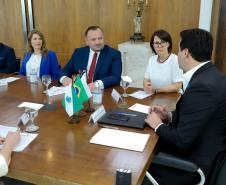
(46, 80)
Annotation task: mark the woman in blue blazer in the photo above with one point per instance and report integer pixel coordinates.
(38, 59)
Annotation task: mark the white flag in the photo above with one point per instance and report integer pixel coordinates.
(86, 87)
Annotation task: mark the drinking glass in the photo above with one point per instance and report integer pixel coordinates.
(31, 114)
(124, 85)
(46, 80)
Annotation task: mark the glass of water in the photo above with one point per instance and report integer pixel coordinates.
(46, 80)
(31, 114)
(124, 85)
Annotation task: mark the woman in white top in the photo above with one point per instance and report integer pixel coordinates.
(163, 73)
(11, 140)
(39, 60)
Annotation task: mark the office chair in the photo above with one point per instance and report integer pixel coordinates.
(17, 66)
(169, 160)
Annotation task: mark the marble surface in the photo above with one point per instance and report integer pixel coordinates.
(135, 58)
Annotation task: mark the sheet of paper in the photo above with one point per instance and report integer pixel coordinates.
(25, 140)
(120, 139)
(139, 108)
(140, 94)
(5, 81)
(11, 79)
(56, 91)
(35, 106)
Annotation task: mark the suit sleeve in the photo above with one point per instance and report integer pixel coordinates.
(54, 69)
(3, 166)
(11, 62)
(68, 69)
(115, 71)
(23, 66)
(195, 110)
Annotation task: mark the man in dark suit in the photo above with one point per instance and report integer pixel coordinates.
(102, 63)
(196, 130)
(7, 59)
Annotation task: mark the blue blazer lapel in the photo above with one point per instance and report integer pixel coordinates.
(200, 70)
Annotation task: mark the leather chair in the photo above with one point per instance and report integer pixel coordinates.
(169, 160)
(17, 65)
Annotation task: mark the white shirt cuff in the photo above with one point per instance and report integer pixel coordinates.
(3, 166)
(158, 126)
(100, 84)
(62, 78)
(170, 116)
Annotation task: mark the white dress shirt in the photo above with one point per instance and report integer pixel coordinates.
(33, 64)
(3, 166)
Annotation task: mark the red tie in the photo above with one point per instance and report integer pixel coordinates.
(92, 68)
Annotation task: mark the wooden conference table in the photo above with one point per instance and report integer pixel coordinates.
(62, 154)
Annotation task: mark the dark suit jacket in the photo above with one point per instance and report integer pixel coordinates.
(7, 59)
(198, 129)
(108, 68)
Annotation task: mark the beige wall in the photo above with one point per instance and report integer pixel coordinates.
(63, 22)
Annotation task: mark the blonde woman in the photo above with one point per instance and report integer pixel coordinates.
(39, 58)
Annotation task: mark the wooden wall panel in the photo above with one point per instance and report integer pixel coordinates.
(63, 22)
(173, 16)
(116, 20)
(11, 25)
(220, 57)
(215, 25)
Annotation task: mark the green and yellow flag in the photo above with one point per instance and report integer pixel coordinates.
(80, 90)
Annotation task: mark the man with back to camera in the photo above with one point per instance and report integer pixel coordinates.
(7, 59)
(102, 63)
(196, 130)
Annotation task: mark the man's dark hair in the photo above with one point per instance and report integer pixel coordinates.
(92, 28)
(199, 43)
(164, 36)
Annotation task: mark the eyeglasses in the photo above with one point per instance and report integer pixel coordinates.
(159, 44)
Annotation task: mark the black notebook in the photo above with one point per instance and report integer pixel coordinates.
(124, 118)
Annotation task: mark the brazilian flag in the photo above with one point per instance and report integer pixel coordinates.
(80, 90)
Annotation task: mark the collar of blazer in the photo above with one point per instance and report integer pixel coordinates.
(200, 70)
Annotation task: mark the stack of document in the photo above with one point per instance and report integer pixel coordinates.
(5, 81)
(140, 108)
(56, 91)
(140, 94)
(25, 140)
(120, 139)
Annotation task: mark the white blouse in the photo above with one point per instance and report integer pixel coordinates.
(3, 166)
(163, 74)
(33, 65)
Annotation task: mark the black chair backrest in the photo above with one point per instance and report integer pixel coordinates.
(17, 64)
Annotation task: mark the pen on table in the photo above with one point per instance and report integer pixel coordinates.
(104, 126)
(126, 114)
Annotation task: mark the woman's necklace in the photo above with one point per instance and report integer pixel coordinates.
(162, 61)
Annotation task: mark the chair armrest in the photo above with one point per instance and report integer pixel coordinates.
(174, 161)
